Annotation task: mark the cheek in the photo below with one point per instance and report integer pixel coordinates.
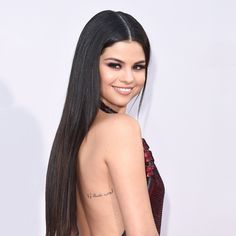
(141, 80)
(107, 77)
(139, 85)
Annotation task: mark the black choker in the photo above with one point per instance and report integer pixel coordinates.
(105, 108)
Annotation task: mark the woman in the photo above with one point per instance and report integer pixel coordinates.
(98, 182)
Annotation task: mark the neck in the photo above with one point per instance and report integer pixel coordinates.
(111, 109)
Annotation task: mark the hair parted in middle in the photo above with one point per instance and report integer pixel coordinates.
(103, 30)
(80, 108)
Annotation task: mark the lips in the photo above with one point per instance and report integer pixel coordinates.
(123, 90)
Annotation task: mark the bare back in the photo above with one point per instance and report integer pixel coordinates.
(98, 209)
(111, 180)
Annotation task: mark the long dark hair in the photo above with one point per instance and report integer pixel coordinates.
(80, 108)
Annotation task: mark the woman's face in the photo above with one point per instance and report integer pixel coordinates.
(122, 73)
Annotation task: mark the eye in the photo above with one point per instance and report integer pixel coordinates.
(114, 65)
(139, 67)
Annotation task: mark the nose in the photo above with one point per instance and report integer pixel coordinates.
(127, 77)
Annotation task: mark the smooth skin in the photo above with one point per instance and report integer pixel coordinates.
(112, 190)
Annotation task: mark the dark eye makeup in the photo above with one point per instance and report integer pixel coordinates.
(118, 66)
(139, 67)
(114, 65)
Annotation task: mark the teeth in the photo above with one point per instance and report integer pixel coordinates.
(124, 89)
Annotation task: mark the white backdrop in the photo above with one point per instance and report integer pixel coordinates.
(188, 117)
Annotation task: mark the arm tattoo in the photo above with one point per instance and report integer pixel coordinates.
(95, 195)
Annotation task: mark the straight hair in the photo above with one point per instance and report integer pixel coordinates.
(81, 106)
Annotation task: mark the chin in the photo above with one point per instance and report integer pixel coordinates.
(119, 101)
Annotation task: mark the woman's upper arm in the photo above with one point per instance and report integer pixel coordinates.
(125, 160)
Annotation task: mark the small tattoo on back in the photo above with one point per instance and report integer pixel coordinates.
(95, 195)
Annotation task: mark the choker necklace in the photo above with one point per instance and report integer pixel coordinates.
(105, 108)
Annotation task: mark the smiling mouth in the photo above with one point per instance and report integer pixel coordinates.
(123, 90)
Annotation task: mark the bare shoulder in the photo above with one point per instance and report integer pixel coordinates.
(121, 126)
(124, 157)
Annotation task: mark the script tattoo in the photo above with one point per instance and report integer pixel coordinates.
(94, 195)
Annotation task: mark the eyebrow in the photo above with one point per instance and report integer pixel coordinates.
(115, 59)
